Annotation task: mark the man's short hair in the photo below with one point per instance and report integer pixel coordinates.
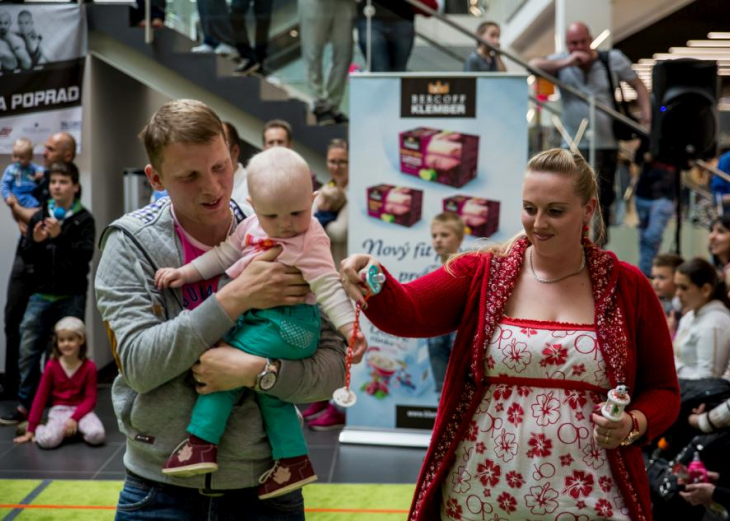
(231, 134)
(23, 147)
(25, 12)
(667, 260)
(277, 123)
(451, 220)
(179, 121)
(64, 169)
(482, 27)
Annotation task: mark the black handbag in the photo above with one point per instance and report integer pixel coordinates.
(621, 131)
(660, 471)
(710, 391)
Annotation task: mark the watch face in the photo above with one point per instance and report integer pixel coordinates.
(267, 381)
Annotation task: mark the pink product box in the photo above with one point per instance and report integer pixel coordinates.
(395, 204)
(449, 158)
(480, 216)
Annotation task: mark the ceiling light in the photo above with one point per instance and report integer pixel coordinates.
(718, 36)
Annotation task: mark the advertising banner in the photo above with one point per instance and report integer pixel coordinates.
(421, 145)
(42, 50)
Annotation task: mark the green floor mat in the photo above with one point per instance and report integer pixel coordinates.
(95, 500)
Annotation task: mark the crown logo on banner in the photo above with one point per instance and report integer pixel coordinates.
(438, 88)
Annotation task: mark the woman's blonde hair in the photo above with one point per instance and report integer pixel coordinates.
(563, 162)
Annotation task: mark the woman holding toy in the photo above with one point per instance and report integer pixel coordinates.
(547, 325)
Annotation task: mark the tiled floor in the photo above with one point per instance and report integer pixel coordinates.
(334, 463)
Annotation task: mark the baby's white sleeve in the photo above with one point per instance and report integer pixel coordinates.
(333, 298)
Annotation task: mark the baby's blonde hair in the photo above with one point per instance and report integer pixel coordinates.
(334, 197)
(23, 147)
(268, 171)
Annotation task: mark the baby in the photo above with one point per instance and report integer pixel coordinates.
(21, 177)
(329, 202)
(280, 192)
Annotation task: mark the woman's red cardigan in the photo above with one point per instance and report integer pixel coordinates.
(472, 297)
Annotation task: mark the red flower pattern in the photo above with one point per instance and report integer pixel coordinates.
(514, 479)
(472, 432)
(492, 441)
(578, 369)
(579, 484)
(554, 354)
(453, 509)
(603, 508)
(502, 392)
(514, 414)
(507, 502)
(575, 399)
(606, 484)
(489, 473)
(523, 390)
(541, 446)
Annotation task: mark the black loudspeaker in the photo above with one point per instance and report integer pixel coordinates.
(684, 110)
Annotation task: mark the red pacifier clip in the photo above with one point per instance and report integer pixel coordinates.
(374, 278)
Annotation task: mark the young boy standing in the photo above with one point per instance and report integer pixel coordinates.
(59, 245)
(447, 233)
(483, 59)
(662, 279)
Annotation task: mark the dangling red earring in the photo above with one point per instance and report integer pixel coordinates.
(585, 229)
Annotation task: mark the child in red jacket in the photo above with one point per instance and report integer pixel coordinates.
(69, 379)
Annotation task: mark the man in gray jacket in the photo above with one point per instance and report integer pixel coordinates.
(157, 336)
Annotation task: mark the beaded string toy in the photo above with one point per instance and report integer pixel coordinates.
(344, 396)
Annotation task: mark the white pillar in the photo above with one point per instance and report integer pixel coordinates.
(596, 14)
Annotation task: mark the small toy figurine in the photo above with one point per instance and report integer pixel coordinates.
(618, 398)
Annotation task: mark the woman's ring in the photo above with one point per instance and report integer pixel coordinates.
(606, 437)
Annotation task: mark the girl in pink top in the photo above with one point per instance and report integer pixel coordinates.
(69, 379)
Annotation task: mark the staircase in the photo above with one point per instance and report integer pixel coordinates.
(113, 40)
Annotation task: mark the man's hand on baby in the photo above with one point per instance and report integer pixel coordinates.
(225, 368)
(169, 278)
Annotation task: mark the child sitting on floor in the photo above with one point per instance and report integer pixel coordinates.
(69, 379)
(280, 192)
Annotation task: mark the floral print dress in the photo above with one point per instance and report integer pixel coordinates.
(529, 453)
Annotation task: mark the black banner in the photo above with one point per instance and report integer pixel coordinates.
(414, 417)
(436, 97)
(56, 86)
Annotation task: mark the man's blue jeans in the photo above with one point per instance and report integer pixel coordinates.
(654, 214)
(36, 331)
(391, 45)
(142, 500)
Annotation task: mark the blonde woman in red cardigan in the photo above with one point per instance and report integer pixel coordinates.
(547, 325)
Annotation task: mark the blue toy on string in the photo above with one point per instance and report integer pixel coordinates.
(59, 213)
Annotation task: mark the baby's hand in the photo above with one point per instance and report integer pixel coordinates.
(25, 438)
(39, 175)
(361, 345)
(169, 278)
